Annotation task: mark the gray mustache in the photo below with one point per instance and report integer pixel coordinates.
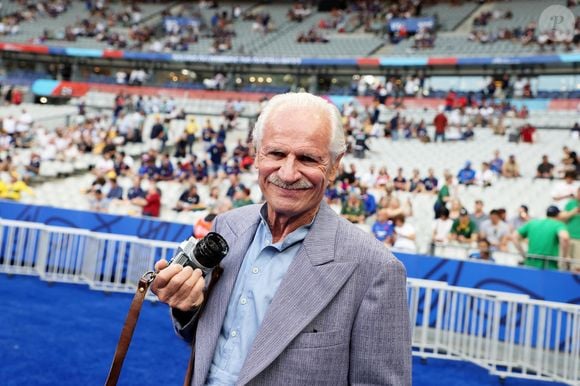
(300, 184)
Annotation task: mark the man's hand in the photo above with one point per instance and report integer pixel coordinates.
(179, 287)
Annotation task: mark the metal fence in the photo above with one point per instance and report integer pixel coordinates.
(510, 335)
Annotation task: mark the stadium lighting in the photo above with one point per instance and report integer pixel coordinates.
(260, 79)
(268, 80)
(185, 72)
(252, 79)
(43, 100)
(239, 81)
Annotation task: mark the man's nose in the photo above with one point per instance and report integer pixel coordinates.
(288, 171)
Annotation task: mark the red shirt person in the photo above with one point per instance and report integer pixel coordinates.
(440, 122)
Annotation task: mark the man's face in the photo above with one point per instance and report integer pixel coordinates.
(294, 162)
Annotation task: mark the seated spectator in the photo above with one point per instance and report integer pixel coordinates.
(400, 181)
(545, 168)
(242, 198)
(463, 230)
(369, 201)
(575, 131)
(189, 200)
(383, 228)
(14, 189)
(511, 169)
(98, 202)
(165, 172)
(416, 183)
(496, 164)
(478, 216)
(135, 190)
(466, 176)
(442, 228)
(495, 231)
(430, 182)
(404, 236)
(353, 209)
(151, 203)
(115, 192)
(486, 177)
(483, 251)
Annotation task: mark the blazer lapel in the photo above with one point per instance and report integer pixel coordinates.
(312, 281)
(211, 320)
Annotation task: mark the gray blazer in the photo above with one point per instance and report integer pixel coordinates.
(339, 316)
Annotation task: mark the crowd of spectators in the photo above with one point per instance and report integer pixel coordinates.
(31, 12)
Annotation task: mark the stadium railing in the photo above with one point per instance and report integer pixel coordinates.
(510, 335)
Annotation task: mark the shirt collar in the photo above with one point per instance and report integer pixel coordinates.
(296, 236)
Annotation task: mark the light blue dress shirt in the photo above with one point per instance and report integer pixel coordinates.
(261, 272)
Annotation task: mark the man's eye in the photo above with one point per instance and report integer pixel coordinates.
(307, 159)
(276, 154)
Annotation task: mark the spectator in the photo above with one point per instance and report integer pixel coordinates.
(545, 169)
(115, 191)
(440, 123)
(404, 235)
(400, 181)
(528, 133)
(496, 164)
(242, 198)
(444, 195)
(571, 216)
(158, 135)
(383, 228)
(353, 209)
(369, 201)
(511, 169)
(546, 237)
(463, 230)
(189, 200)
(565, 190)
(151, 203)
(203, 226)
(466, 176)
(486, 177)
(135, 191)
(520, 219)
(441, 228)
(478, 216)
(416, 183)
(98, 202)
(483, 251)
(430, 182)
(495, 231)
(575, 131)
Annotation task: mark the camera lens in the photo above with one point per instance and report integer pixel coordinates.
(210, 250)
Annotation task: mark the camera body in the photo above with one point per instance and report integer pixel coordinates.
(202, 254)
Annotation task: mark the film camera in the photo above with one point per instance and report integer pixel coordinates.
(204, 254)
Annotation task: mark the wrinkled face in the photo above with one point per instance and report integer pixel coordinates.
(294, 162)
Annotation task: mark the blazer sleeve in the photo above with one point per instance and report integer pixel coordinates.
(381, 335)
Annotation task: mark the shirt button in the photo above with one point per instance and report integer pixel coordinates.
(243, 300)
(234, 333)
(255, 270)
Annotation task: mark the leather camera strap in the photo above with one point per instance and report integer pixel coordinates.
(129, 328)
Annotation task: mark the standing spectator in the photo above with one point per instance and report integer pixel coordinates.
(216, 154)
(444, 195)
(571, 215)
(565, 190)
(463, 230)
(495, 231)
(478, 216)
(441, 228)
(546, 237)
(440, 123)
(528, 133)
(520, 219)
(191, 129)
(545, 169)
(158, 135)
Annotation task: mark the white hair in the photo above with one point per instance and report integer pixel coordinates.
(337, 145)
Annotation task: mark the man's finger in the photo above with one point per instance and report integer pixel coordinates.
(161, 264)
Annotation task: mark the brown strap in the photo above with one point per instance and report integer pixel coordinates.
(215, 275)
(128, 328)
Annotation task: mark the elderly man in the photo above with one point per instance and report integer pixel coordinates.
(306, 298)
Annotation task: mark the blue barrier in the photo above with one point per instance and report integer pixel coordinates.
(538, 284)
(143, 227)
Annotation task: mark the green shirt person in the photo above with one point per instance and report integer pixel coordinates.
(546, 237)
(571, 216)
(463, 229)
